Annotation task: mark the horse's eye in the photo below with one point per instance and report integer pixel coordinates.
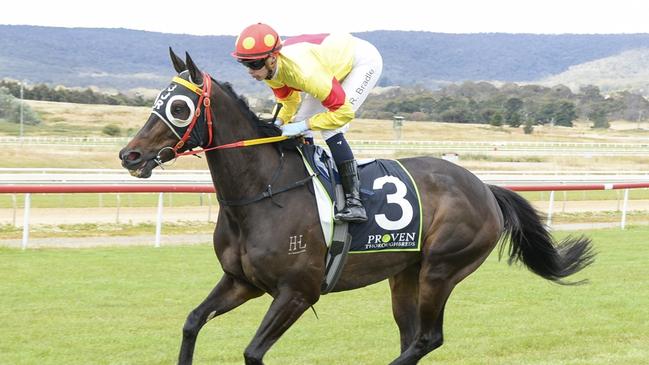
(179, 110)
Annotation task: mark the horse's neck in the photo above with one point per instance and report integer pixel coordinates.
(241, 172)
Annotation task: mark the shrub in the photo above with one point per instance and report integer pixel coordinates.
(112, 130)
(496, 119)
(10, 109)
(528, 128)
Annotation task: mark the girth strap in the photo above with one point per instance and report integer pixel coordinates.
(268, 193)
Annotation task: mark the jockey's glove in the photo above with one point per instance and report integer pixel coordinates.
(294, 129)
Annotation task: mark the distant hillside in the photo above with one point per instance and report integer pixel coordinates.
(430, 58)
(628, 70)
(108, 58)
(125, 59)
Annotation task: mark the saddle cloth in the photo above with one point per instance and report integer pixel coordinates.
(390, 197)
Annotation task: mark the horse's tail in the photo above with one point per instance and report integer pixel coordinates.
(532, 244)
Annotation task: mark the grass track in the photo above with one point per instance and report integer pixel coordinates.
(127, 306)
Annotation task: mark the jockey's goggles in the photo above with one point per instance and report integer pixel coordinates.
(253, 64)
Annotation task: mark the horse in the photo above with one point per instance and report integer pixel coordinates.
(266, 198)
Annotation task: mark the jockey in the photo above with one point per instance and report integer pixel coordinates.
(335, 72)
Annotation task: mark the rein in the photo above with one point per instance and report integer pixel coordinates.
(242, 143)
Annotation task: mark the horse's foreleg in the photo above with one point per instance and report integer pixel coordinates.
(405, 288)
(286, 308)
(228, 294)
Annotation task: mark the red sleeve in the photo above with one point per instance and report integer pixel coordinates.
(282, 92)
(336, 97)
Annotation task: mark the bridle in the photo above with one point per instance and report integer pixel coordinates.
(204, 102)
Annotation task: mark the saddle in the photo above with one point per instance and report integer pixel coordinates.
(391, 200)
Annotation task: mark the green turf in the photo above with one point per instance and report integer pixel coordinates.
(127, 306)
(582, 195)
(11, 232)
(106, 200)
(8, 231)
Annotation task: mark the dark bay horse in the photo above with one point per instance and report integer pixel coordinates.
(463, 220)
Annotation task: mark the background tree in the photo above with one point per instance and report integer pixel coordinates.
(566, 113)
(10, 109)
(599, 116)
(496, 119)
(546, 112)
(630, 106)
(528, 127)
(62, 94)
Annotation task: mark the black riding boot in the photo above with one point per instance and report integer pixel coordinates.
(354, 211)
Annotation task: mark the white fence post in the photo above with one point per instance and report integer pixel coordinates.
(209, 207)
(28, 203)
(14, 205)
(119, 204)
(158, 226)
(624, 207)
(550, 208)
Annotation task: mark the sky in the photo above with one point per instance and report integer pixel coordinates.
(229, 17)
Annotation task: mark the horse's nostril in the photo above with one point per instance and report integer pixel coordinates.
(132, 156)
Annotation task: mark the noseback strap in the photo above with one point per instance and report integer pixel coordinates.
(190, 85)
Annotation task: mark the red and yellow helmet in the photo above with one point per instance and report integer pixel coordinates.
(257, 41)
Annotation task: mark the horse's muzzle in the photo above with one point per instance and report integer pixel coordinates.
(135, 163)
(131, 158)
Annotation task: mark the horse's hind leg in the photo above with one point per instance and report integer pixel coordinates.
(405, 289)
(443, 266)
(228, 294)
(429, 336)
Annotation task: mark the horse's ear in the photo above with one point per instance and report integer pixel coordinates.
(179, 65)
(194, 73)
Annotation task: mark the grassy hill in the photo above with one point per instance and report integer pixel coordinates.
(628, 70)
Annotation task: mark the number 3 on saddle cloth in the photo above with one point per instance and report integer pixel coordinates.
(390, 198)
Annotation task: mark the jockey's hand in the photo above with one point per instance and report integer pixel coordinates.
(294, 129)
(278, 122)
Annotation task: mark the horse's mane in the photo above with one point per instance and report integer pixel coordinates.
(265, 128)
(240, 101)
